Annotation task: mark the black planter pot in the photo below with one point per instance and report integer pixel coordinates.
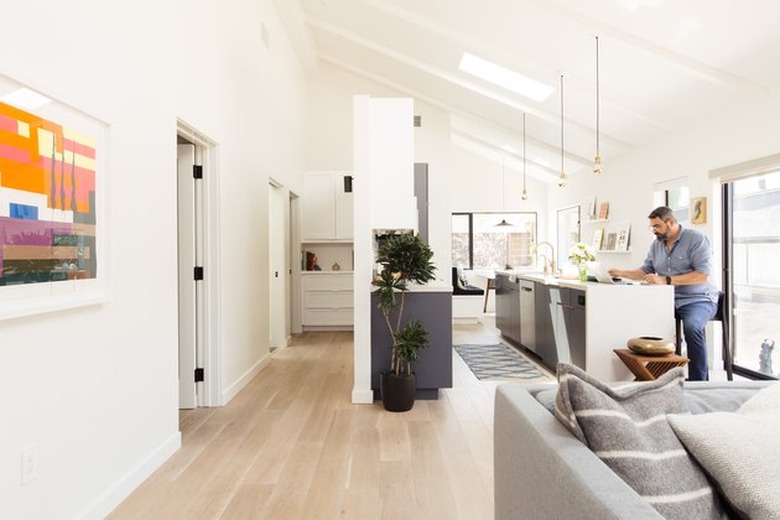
(397, 391)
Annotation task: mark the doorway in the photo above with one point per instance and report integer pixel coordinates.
(199, 361)
(278, 280)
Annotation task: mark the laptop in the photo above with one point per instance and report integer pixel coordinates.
(602, 276)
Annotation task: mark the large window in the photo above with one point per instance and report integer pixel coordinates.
(752, 238)
(493, 240)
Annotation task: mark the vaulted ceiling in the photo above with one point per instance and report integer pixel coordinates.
(662, 65)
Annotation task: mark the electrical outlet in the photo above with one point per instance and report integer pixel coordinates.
(29, 463)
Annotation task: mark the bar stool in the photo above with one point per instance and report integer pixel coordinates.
(721, 315)
(489, 286)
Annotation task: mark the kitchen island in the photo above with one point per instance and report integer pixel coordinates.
(562, 320)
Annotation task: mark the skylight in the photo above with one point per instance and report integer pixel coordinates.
(504, 77)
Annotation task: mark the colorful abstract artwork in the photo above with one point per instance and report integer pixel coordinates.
(48, 216)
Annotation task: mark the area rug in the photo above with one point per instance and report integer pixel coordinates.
(499, 361)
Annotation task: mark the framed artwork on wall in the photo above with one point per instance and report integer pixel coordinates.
(699, 210)
(52, 179)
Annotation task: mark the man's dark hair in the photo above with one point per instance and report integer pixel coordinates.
(662, 212)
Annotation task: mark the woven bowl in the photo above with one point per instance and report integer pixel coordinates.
(650, 346)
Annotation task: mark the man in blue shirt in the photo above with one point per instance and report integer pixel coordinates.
(681, 257)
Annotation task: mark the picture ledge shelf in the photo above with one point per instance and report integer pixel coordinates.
(611, 251)
(596, 220)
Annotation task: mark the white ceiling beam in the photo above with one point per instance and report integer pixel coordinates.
(482, 90)
(294, 22)
(631, 108)
(712, 75)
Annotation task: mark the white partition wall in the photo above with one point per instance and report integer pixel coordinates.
(383, 158)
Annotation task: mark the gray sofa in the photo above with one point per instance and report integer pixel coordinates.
(543, 472)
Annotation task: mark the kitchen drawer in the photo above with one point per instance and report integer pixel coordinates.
(327, 282)
(328, 300)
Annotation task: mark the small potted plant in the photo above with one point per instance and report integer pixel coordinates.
(580, 254)
(404, 259)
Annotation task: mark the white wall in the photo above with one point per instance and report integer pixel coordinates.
(458, 179)
(96, 388)
(734, 135)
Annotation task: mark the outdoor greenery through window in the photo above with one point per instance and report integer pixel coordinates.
(482, 241)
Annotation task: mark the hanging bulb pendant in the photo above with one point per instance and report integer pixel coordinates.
(597, 160)
(562, 174)
(524, 195)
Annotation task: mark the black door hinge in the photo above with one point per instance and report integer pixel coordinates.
(197, 171)
(199, 375)
(198, 273)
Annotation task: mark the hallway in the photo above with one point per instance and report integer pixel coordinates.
(292, 446)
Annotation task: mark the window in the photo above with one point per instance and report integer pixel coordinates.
(751, 207)
(493, 240)
(674, 194)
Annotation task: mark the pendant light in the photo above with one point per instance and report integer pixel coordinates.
(503, 225)
(562, 174)
(597, 159)
(524, 195)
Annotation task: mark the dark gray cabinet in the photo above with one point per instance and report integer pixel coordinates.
(508, 307)
(434, 368)
(575, 326)
(545, 339)
(528, 315)
(567, 309)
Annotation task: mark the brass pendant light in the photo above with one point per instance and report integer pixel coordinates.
(524, 195)
(562, 174)
(597, 160)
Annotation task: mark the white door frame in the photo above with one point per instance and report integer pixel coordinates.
(278, 293)
(295, 307)
(210, 355)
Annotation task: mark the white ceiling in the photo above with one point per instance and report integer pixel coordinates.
(663, 64)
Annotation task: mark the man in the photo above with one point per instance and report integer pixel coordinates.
(681, 257)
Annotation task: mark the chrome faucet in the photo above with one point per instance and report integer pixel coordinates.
(551, 265)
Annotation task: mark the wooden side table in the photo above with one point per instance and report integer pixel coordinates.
(649, 368)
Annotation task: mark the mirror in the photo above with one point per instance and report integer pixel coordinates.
(568, 232)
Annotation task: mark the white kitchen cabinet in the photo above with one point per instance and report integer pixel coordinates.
(327, 300)
(326, 207)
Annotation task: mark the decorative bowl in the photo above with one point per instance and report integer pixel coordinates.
(650, 346)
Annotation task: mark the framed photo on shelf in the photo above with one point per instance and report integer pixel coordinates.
(610, 242)
(603, 210)
(598, 237)
(623, 238)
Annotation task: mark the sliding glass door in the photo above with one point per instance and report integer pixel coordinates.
(752, 271)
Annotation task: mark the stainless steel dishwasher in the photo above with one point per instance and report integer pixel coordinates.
(528, 315)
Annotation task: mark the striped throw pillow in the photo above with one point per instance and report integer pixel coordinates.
(626, 427)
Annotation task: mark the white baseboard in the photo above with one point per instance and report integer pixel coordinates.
(362, 396)
(233, 390)
(121, 489)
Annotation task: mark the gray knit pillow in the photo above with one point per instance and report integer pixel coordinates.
(626, 427)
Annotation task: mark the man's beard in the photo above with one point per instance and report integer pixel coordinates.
(661, 236)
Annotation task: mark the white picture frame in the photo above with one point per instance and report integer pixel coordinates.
(623, 242)
(52, 218)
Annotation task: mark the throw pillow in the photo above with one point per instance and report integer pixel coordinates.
(626, 427)
(740, 450)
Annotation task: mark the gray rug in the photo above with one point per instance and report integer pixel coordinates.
(498, 361)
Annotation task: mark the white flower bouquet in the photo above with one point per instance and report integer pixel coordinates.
(580, 253)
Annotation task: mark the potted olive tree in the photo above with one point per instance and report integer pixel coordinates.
(404, 259)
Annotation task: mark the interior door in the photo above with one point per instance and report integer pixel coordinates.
(187, 287)
(277, 247)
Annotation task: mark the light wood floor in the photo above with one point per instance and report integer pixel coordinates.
(292, 446)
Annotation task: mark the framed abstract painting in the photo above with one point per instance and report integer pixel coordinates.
(52, 182)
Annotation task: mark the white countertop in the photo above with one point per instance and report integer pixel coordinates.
(562, 282)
